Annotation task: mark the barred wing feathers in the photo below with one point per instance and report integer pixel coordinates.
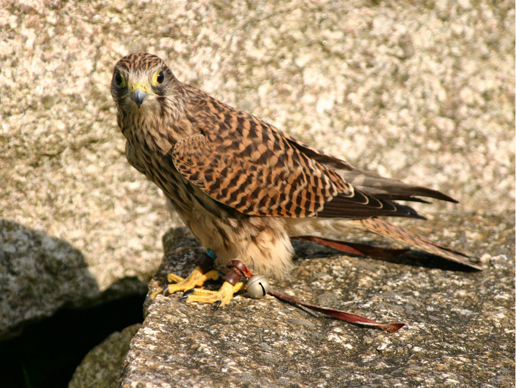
(250, 166)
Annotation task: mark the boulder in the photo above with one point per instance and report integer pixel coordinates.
(102, 365)
(459, 328)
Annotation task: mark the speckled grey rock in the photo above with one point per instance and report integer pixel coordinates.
(422, 91)
(101, 366)
(459, 333)
(40, 274)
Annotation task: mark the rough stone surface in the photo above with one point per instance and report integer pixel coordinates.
(101, 366)
(459, 333)
(40, 274)
(415, 90)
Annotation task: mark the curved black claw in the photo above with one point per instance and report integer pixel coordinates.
(165, 291)
(186, 293)
(217, 305)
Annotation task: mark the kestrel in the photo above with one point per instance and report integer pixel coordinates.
(243, 187)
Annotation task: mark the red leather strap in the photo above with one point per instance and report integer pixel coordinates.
(233, 276)
(354, 248)
(240, 269)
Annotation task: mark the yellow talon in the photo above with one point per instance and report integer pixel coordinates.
(173, 278)
(156, 293)
(195, 279)
(222, 297)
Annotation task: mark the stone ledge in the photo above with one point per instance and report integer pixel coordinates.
(459, 324)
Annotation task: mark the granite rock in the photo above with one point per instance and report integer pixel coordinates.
(40, 274)
(102, 365)
(459, 332)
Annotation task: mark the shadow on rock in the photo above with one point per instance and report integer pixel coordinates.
(39, 275)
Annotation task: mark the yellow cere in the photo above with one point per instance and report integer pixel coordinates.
(139, 85)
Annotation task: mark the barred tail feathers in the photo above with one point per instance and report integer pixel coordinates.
(384, 228)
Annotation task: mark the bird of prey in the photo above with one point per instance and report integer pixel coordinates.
(243, 187)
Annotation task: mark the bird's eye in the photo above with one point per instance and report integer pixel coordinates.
(119, 80)
(158, 78)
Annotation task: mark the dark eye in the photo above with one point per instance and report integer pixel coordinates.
(161, 77)
(119, 79)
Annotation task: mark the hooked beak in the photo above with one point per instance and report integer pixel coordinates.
(139, 93)
(138, 96)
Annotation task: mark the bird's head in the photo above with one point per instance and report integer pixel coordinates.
(142, 83)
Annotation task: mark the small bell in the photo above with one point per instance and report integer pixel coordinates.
(257, 287)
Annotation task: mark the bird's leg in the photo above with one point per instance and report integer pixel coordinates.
(202, 272)
(223, 296)
(197, 278)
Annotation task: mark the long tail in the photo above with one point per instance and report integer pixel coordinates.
(384, 228)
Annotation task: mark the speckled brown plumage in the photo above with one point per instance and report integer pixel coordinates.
(242, 186)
